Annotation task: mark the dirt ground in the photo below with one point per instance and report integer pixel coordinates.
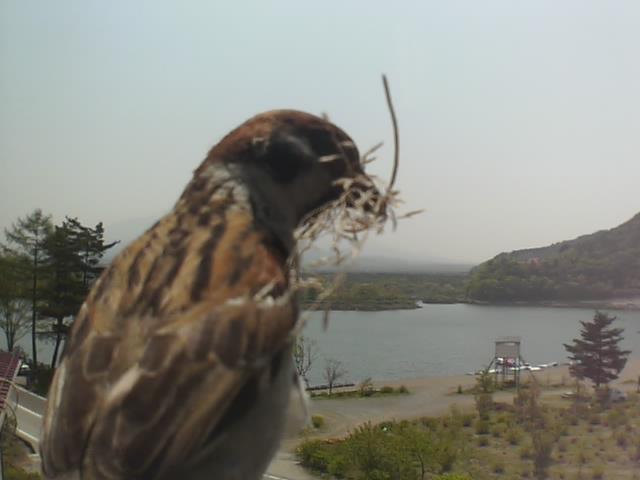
(428, 397)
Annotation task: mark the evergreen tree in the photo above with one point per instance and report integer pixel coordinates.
(64, 290)
(74, 254)
(14, 298)
(597, 355)
(91, 248)
(25, 239)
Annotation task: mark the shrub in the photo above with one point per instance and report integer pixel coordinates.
(366, 387)
(314, 454)
(483, 441)
(482, 426)
(430, 423)
(497, 466)
(542, 447)
(386, 389)
(597, 472)
(526, 452)
(617, 418)
(15, 473)
(402, 389)
(513, 436)
(467, 419)
(317, 421)
(453, 476)
(622, 440)
(498, 430)
(484, 404)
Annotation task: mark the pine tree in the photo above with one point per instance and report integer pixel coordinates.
(91, 248)
(64, 291)
(25, 239)
(14, 298)
(74, 254)
(597, 355)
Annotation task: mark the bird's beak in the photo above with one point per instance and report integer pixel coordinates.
(364, 195)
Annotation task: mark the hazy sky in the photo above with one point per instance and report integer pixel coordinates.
(520, 121)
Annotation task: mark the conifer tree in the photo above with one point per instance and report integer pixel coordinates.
(25, 239)
(596, 355)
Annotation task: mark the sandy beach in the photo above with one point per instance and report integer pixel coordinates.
(435, 396)
(428, 397)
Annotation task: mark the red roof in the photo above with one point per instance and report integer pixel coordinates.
(9, 364)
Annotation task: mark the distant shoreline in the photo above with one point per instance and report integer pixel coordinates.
(615, 304)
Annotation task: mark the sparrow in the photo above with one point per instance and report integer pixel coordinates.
(179, 363)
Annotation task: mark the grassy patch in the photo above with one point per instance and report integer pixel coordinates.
(361, 393)
(587, 442)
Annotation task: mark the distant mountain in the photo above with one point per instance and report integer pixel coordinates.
(129, 230)
(389, 264)
(601, 265)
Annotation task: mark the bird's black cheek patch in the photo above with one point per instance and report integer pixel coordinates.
(287, 156)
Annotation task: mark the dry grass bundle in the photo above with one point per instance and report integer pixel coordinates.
(366, 205)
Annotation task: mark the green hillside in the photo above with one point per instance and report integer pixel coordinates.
(602, 265)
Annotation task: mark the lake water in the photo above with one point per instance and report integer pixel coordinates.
(438, 339)
(448, 339)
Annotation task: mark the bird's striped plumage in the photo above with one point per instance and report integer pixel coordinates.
(186, 336)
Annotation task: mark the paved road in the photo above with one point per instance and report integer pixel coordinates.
(29, 408)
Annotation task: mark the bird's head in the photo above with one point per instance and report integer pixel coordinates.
(293, 164)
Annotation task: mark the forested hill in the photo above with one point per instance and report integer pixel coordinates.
(602, 265)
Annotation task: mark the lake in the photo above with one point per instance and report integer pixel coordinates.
(438, 339)
(448, 339)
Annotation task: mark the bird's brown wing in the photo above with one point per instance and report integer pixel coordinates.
(144, 385)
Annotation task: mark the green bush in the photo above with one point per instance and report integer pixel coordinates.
(402, 389)
(513, 436)
(497, 466)
(498, 430)
(597, 472)
(617, 418)
(482, 426)
(622, 439)
(317, 421)
(15, 473)
(314, 454)
(386, 389)
(526, 451)
(453, 476)
(467, 419)
(484, 404)
(483, 441)
(430, 423)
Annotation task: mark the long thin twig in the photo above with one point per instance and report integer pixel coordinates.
(396, 135)
(348, 220)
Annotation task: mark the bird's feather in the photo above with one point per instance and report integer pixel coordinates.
(154, 362)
